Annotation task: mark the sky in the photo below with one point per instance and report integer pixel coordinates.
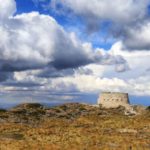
(56, 51)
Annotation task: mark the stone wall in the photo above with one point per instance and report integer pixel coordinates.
(113, 99)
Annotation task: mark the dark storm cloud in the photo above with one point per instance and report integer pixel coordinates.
(21, 84)
(17, 66)
(51, 72)
(5, 75)
(70, 62)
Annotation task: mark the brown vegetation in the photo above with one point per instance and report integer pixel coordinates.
(73, 126)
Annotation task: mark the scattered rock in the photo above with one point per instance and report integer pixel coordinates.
(127, 131)
(34, 112)
(13, 136)
(148, 108)
(2, 110)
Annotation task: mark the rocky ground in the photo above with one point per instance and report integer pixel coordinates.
(74, 126)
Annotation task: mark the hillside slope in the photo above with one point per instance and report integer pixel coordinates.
(73, 126)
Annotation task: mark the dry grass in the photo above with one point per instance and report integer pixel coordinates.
(92, 131)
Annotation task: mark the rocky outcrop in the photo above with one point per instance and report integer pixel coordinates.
(34, 113)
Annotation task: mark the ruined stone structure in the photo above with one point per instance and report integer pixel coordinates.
(113, 99)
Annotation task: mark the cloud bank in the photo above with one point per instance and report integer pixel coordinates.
(124, 11)
(35, 41)
(127, 20)
(37, 53)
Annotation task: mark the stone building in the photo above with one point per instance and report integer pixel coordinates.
(113, 99)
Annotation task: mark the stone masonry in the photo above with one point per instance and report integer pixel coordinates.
(113, 99)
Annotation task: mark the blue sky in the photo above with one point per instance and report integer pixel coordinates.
(74, 48)
(70, 23)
